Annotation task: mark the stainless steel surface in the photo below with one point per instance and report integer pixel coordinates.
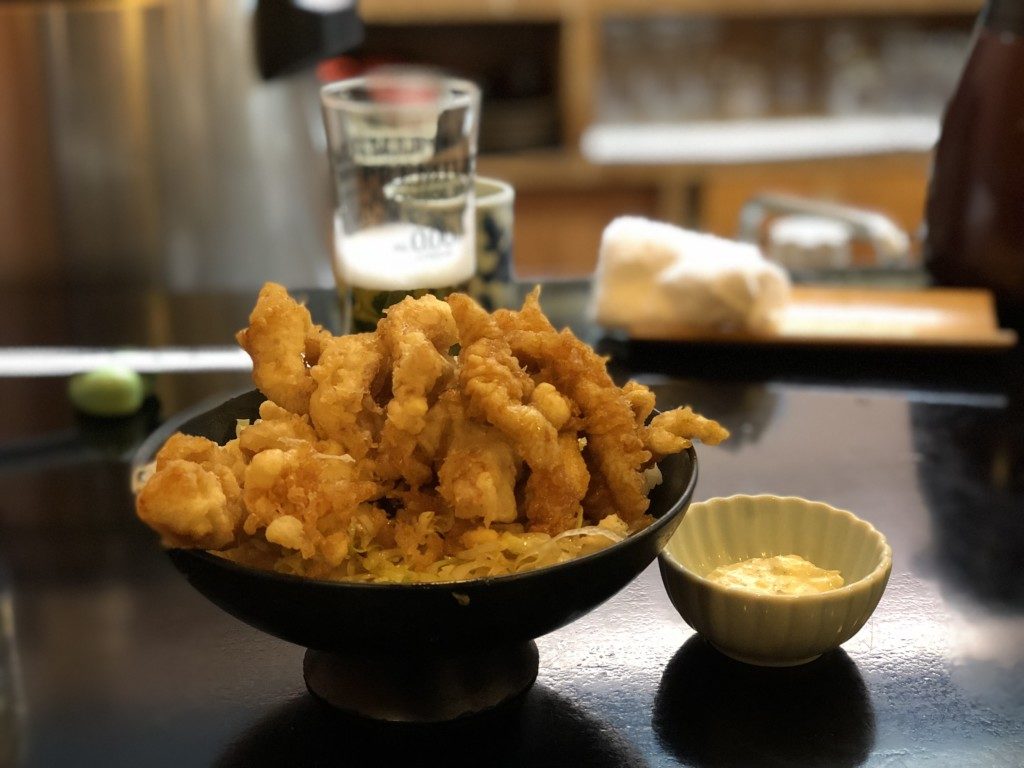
(164, 159)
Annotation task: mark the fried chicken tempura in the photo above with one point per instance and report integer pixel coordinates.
(478, 475)
(417, 335)
(615, 449)
(496, 387)
(188, 506)
(382, 456)
(342, 407)
(276, 340)
(674, 431)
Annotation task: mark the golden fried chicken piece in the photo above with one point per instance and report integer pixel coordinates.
(381, 456)
(275, 428)
(598, 502)
(673, 431)
(320, 491)
(550, 402)
(615, 450)
(342, 407)
(187, 505)
(224, 462)
(495, 386)
(432, 443)
(199, 450)
(204, 452)
(529, 317)
(640, 399)
(303, 481)
(552, 497)
(614, 446)
(276, 340)
(417, 335)
(478, 475)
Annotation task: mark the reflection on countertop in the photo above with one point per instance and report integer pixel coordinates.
(971, 472)
(538, 728)
(713, 711)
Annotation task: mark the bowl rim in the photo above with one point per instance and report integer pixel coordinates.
(879, 573)
(147, 450)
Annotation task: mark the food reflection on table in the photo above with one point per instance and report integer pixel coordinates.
(541, 728)
(712, 711)
(972, 475)
(449, 444)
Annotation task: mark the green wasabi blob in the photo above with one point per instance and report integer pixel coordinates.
(107, 392)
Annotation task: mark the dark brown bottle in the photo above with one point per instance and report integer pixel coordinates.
(975, 210)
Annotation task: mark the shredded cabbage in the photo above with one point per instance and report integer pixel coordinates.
(509, 553)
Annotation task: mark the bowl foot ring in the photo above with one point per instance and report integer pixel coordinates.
(763, 662)
(423, 687)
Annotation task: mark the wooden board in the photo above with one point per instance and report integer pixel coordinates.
(839, 316)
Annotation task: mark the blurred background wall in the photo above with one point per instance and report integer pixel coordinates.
(138, 145)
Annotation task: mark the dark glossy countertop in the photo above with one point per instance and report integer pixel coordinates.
(119, 662)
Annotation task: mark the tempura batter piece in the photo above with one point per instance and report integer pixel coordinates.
(433, 441)
(279, 330)
(383, 457)
(598, 502)
(640, 399)
(615, 450)
(304, 483)
(674, 431)
(204, 452)
(552, 499)
(321, 491)
(495, 386)
(556, 408)
(342, 407)
(478, 475)
(225, 462)
(194, 448)
(529, 317)
(417, 335)
(187, 505)
(275, 428)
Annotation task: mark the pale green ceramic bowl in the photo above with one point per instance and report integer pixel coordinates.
(774, 630)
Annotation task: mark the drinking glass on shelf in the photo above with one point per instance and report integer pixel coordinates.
(402, 143)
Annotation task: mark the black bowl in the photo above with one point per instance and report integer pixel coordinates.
(476, 633)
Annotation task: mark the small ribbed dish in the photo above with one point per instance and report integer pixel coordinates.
(767, 629)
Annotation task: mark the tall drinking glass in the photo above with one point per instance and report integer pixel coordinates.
(402, 145)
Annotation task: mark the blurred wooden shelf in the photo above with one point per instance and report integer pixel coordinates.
(475, 11)
(564, 199)
(775, 8)
(548, 169)
(457, 11)
(736, 142)
(563, 202)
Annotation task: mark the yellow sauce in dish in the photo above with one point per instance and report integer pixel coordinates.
(779, 575)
